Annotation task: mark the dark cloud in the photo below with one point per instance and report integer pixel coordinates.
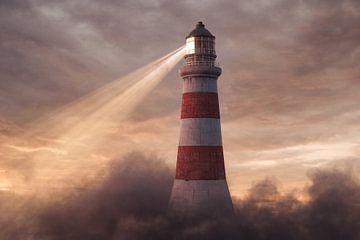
(131, 203)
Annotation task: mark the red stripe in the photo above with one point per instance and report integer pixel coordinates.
(200, 105)
(200, 163)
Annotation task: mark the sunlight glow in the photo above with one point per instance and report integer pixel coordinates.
(68, 138)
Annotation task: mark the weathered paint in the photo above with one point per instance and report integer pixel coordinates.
(200, 196)
(200, 105)
(200, 71)
(200, 84)
(200, 132)
(200, 162)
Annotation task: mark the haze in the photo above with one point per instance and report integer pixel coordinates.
(289, 91)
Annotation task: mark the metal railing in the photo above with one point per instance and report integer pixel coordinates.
(202, 63)
(201, 51)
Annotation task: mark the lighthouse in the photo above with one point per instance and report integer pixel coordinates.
(200, 185)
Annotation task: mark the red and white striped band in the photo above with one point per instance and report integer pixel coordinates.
(200, 163)
(200, 105)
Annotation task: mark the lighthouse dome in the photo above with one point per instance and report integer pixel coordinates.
(200, 31)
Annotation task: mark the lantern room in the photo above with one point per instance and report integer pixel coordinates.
(200, 47)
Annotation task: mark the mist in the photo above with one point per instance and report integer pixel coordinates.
(131, 203)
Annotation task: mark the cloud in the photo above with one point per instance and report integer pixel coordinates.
(290, 73)
(37, 149)
(258, 164)
(131, 203)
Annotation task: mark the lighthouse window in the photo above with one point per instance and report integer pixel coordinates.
(190, 45)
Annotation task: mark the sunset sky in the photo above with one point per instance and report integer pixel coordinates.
(289, 92)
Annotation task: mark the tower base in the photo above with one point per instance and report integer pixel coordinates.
(200, 197)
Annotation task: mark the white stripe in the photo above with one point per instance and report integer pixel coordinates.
(194, 196)
(200, 84)
(200, 132)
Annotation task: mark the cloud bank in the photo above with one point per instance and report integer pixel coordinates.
(131, 203)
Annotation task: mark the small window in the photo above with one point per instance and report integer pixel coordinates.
(190, 45)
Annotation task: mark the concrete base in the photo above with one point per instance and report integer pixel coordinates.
(194, 197)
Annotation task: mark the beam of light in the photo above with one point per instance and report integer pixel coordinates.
(93, 102)
(96, 124)
(118, 98)
(74, 133)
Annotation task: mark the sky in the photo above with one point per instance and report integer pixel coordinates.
(288, 92)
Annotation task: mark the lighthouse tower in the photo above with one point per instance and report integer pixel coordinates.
(200, 183)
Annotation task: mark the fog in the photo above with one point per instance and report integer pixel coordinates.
(131, 203)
